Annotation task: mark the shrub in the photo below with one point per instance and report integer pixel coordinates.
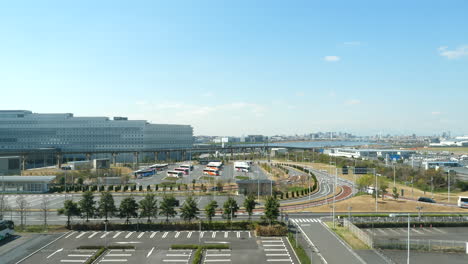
(140, 188)
(156, 187)
(273, 230)
(197, 258)
(96, 255)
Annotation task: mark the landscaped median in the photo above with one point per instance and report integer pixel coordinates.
(198, 256)
(300, 251)
(101, 250)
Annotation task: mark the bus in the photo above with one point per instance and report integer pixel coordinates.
(159, 167)
(187, 166)
(144, 173)
(6, 229)
(184, 170)
(177, 174)
(210, 171)
(216, 165)
(463, 201)
(241, 166)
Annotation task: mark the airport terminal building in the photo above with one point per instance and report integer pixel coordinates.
(24, 130)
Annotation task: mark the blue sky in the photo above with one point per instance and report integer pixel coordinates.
(239, 67)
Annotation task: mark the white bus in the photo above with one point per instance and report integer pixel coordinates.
(184, 170)
(6, 229)
(187, 166)
(178, 174)
(463, 201)
(241, 166)
(159, 167)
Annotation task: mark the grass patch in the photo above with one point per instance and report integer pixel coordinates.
(300, 252)
(206, 178)
(197, 258)
(170, 179)
(242, 177)
(347, 236)
(96, 255)
(40, 229)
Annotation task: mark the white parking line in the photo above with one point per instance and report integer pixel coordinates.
(275, 249)
(72, 233)
(150, 252)
(189, 234)
(93, 234)
(214, 234)
(79, 255)
(105, 234)
(217, 260)
(273, 245)
(113, 260)
(201, 234)
(177, 234)
(277, 260)
(439, 230)
(225, 234)
(118, 234)
(140, 235)
(238, 234)
(82, 234)
(277, 255)
(419, 232)
(73, 260)
(250, 235)
(118, 255)
(165, 234)
(129, 234)
(58, 250)
(153, 234)
(175, 260)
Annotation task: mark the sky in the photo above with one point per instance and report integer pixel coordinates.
(240, 67)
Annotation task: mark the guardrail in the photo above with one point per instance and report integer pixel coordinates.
(363, 236)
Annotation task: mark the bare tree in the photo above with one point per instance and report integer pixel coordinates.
(45, 209)
(23, 206)
(4, 207)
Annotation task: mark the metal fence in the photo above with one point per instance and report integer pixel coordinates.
(422, 245)
(363, 236)
(404, 219)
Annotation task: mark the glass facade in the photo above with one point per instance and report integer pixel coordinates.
(24, 130)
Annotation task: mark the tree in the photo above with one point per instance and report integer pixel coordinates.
(190, 210)
(364, 182)
(128, 208)
(45, 209)
(210, 210)
(167, 207)
(3, 206)
(23, 206)
(395, 193)
(106, 205)
(87, 205)
(249, 204)
(69, 209)
(230, 208)
(272, 209)
(149, 206)
(383, 186)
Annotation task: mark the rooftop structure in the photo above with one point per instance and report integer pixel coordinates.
(25, 184)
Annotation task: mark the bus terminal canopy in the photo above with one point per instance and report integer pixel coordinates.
(25, 184)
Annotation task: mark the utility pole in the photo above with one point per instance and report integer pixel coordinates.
(334, 188)
(394, 176)
(407, 258)
(376, 191)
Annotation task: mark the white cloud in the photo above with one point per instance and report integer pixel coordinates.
(457, 53)
(331, 58)
(141, 103)
(208, 94)
(435, 113)
(300, 94)
(332, 94)
(353, 102)
(352, 43)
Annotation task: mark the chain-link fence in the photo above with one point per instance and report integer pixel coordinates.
(422, 245)
(363, 236)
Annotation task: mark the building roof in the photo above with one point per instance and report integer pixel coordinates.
(10, 157)
(44, 179)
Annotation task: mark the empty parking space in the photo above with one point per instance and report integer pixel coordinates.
(276, 250)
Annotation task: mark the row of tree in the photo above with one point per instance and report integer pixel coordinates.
(149, 208)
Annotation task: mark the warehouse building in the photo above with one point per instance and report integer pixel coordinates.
(25, 184)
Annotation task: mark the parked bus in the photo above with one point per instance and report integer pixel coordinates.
(184, 170)
(144, 173)
(216, 165)
(241, 166)
(463, 201)
(177, 174)
(6, 229)
(187, 166)
(159, 167)
(210, 171)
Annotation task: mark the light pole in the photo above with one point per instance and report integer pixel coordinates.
(334, 188)
(376, 192)
(394, 176)
(407, 258)
(448, 195)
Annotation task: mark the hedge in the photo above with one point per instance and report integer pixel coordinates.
(197, 258)
(96, 255)
(274, 230)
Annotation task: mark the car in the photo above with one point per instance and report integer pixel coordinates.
(426, 200)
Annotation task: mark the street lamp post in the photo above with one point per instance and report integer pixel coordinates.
(408, 255)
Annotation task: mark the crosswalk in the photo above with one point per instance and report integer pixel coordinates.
(178, 256)
(404, 231)
(217, 255)
(117, 256)
(306, 220)
(173, 235)
(275, 250)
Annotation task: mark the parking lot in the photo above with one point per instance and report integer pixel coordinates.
(154, 247)
(434, 233)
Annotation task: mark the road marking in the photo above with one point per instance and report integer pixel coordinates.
(93, 234)
(140, 235)
(273, 245)
(73, 260)
(189, 234)
(201, 234)
(165, 234)
(58, 250)
(238, 234)
(270, 260)
(272, 241)
(214, 234)
(218, 255)
(394, 231)
(118, 234)
(225, 234)
(153, 234)
(79, 255)
(419, 232)
(129, 234)
(250, 235)
(82, 234)
(113, 260)
(277, 255)
(175, 260)
(381, 231)
(177, 234)
(118, 255)
(439, 230)
(72, 233)
(275, 249)
(177, 255)
(105, 234)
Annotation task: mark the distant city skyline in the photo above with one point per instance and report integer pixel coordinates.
(239, 68)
